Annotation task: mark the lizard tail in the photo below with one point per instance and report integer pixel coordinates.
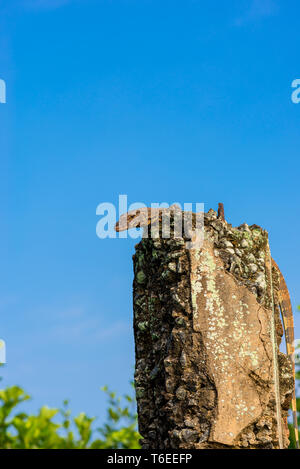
(291, 355)
(288, 325)
(295, 420)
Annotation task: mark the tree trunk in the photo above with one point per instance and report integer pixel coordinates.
(209, 373)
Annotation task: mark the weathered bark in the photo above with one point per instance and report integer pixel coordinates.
(206, 361)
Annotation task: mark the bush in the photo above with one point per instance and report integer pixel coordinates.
(57, 429)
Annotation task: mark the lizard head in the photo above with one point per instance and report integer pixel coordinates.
(133, 219)
(141, 217)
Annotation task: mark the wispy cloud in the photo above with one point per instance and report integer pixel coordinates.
(77, 323)
(88, 330)
(257, 10)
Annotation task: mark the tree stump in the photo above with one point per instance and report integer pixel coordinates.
(209, 373)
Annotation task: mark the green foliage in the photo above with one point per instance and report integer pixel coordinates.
(56, 429)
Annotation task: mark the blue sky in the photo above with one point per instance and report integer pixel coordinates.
(186, 101)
